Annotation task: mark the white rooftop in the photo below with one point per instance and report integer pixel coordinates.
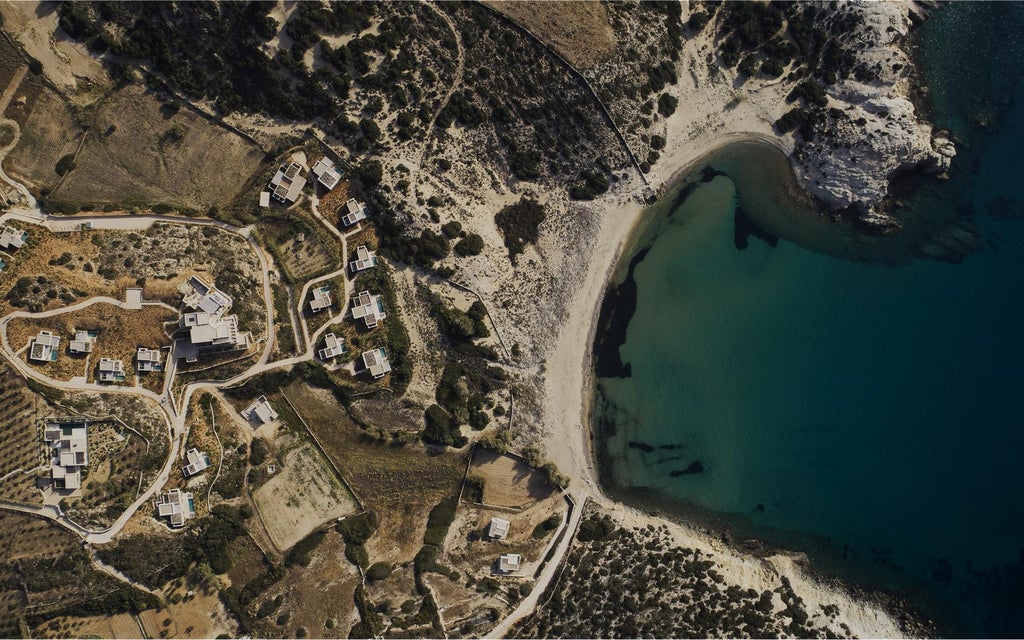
(287, 183)
(353, 212)
(83, 342)
(44, 347)
(365, 259)
(325, 172)
(197, 461)
(376, 362)
(370, 308)
(509, 562)
(321, 299)
(177, 505)
(69, 445)
(11, 238)
(333, 346)
(499, 528)
(260, 411)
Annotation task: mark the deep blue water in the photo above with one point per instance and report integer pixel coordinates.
(867, 414)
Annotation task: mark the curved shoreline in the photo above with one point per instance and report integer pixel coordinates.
(571, 438)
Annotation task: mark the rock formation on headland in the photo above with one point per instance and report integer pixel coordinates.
(871, 129)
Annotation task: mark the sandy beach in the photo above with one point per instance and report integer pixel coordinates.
(692, 133)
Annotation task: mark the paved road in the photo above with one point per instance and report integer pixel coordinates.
(529, 603)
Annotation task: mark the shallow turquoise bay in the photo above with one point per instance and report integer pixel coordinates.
(869, 415)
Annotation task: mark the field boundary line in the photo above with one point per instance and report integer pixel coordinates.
(323, 452)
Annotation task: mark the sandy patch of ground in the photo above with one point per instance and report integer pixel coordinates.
(508, 481)
(66, 63)
(303, 494)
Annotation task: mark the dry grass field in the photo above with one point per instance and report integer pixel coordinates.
(400, 484)
(50, 569)
(140, 152)
(508, 482)
(300, 260)
(332, 202)
(317, 598)
(22, 440)
(302, 495)
(123, 625)
(49, 131)
(119, 333)
(577, 30)
(199, 615)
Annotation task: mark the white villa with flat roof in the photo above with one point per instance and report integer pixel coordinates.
(69, 448)
(321, 299)
(325, 173)
(148, 360)
(111, 370)
(260, 411)
(333, 347)
(11, 238)
(287, 183)
(353, 212)
(83, 342)
(509, 562)
(369, 308)
(365, 259)
(45, 347)
(376, 362)
(176, 505)
(210, 330)
(197, 461)
(498, 529)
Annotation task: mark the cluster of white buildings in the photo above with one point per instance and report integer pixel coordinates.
(45, 347)
(288, 181)
(210, 328)
(498, 530)
(69, 452)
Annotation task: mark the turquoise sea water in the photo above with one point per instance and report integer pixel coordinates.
(870, 415)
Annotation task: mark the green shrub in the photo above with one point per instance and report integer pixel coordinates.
(471, 245)
(65, 164)
(379, 571)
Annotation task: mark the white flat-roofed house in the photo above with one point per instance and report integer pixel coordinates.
(333, 347)
(376, 362)
(176, 505)
(287, 183)
(498, 529)
(369, 308)
(111, 370)
(196, 461)
(45, 347)
(353, 212)
(260, 411)
(69, 452)
(11, 238)
(365, 259)
(325, 173)
(83, 342)
(509, 562)
(148, 360)
(321, 299)
(210, 330)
